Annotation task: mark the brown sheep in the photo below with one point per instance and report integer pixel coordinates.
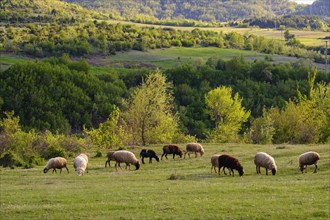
(171, 149)
(230, 162)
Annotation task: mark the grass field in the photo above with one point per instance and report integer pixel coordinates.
(193, 193)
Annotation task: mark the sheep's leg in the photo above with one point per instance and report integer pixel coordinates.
(219, 170)
(142, 159)
(231, 171)
(195, 154)
(60, 170)
(266, 171)
(150, 159)
(173, 155)
(185, 155)
(315, 170)
(224, 171)
(67, 169)
(54, 170)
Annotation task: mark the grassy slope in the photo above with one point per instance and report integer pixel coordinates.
(148, 193)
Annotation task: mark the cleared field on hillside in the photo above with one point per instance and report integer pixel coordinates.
(167, 58)
(193, 193)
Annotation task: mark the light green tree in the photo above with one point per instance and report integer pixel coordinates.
(227, 112)
(148, 112)
(305, 120)
(109, 134)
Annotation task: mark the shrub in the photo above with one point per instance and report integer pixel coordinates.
(10, 159)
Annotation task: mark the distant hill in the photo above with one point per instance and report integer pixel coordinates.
(204, 10)
(43, 11)
(320, 8)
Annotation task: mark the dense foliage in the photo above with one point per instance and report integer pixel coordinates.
(57, 95)
(289, 21)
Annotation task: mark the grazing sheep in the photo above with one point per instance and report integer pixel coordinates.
(56, 163)
(215, 163)
(262, 159)
(109, 156)
(148, 153)
(171, 149)
(194, 148)
(230, 162)
(308, 158)
(80, 164)
(127, 157)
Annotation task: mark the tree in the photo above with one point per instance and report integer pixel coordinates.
(109, 134)
(148, 109)
(227, 112)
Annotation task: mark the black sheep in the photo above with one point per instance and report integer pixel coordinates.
(231, 163)
(148, 153)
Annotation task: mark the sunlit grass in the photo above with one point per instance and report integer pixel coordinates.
(195, 193)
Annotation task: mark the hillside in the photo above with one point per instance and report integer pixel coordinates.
(204, 10)
(22, 11)
(320, 8)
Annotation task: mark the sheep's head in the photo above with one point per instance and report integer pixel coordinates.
(202, 152)
(80, 172)
(157, 158)
(240, 170)
(45, 170)
(179, 153)
(273, 171)
(137, 165)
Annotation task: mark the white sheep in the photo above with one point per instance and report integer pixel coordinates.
(127, 157)
(308, 158)
(56, 163)
(80, 164)
(262, 159)
(215, 163)
(194, 148)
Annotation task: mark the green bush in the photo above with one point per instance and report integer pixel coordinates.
(54, 151)
(10, 159)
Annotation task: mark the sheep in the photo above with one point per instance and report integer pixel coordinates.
(56, 163)
(127, 157)
(80, 164)
(215, 163)
(230, 162)
(308, 158)
(171, 149)
(148, 153)
(262, 159)
(109, 156)
(194, 148)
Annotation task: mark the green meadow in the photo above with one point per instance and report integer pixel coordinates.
(173, 189)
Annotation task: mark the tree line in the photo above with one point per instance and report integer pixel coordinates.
(59, 94)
